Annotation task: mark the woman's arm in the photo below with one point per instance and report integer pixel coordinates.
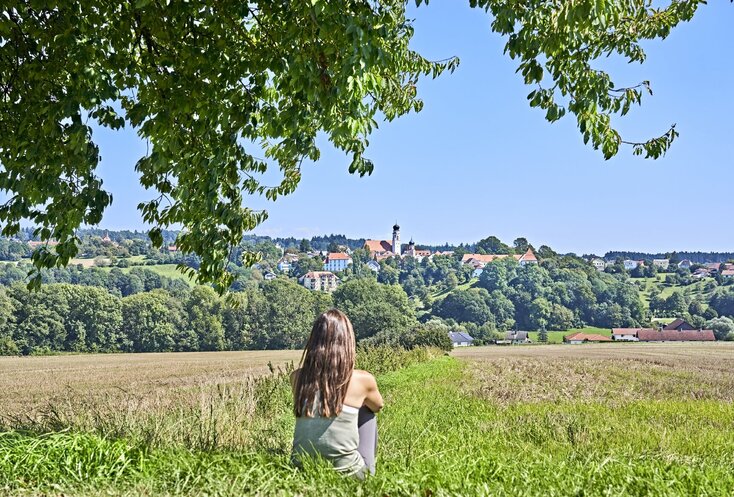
(373, 398)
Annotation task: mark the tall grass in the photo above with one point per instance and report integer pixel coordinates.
(440, 434)
(251, 413)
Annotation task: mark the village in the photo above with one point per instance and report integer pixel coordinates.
(678, 330)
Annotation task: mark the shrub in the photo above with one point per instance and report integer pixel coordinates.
(384, 359)
(431, 334)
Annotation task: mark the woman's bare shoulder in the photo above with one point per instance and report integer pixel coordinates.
(363, 376)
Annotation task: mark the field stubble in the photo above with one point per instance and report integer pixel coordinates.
(609, 373)
(201, 400)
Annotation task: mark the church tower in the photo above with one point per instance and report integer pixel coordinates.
(396, 239)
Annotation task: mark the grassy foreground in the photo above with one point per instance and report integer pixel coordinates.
(449, 428)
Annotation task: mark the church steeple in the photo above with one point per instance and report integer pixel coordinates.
(396, 239)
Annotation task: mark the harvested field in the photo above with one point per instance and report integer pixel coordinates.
(200, 398)
(26, 379)
(609, 373)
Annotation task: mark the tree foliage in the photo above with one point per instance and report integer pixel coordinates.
(223, 91)
(375, 308)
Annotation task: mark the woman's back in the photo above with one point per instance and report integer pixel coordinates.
(337, 438)
(333, 438)
(332, 399)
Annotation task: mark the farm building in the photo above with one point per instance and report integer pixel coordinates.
(578, 338)
(679, 325)
(514, 338)
(677, 331)
(459, 339)
(625, 334)
(647, 335)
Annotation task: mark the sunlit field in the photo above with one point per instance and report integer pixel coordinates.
(610, 419)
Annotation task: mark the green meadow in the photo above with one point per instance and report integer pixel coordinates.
(557, 336)
(591, 420)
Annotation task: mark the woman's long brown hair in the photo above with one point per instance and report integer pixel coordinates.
(326, 366)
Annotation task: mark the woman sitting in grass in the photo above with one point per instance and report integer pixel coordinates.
(334, 403)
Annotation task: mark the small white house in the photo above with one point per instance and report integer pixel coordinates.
(661, 263)
(284, 266)
(374, 266)
(459, 339)
(599, 264)
(269, 276)
(625, 334)
(685, 264)
(629, 264)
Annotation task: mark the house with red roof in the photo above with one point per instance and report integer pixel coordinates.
(677, 331)
(337, 261)
(579, 338)
(384, 248)
(647, 335)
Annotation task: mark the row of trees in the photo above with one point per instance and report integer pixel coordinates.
(697, 257)
(116, 281)
(276, 315)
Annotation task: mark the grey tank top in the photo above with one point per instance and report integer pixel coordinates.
(335, 439)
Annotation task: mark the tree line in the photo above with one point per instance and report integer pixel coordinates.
(697, 257)
(277, 314)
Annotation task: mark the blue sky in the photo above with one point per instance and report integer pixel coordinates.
(478, 161)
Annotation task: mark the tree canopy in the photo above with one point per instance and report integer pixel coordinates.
(223, 91)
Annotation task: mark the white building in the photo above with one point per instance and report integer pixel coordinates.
(629, 264)
(284, 266)
(625, 334)
(374, 266)
(459, 339)
(324, 281)
(661, 263)
(598, 264)
(685, 264)
(337, 261)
